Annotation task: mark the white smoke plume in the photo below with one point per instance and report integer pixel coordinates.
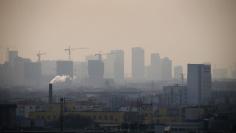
(60, 79)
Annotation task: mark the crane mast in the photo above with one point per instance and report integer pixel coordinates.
(39, 54)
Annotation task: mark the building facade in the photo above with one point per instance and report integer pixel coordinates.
(137, 63)
(166, 67)
(65, 68)
(178, 73)
(199, 83)
(155, 67)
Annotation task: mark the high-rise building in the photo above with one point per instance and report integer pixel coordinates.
(65, 68)
(147, 72)
(12, 56)
(33, 73)
(49, 68)
(178, 72)
(95, 69)
(96, 72)
(118, 65)
(114, 65)
(138, 63)
(109, 67)
(166, 67)
(198, 84)
(155, 67)
(19, 71)
(81, 70)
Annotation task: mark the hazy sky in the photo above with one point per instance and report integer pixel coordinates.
(187, 31)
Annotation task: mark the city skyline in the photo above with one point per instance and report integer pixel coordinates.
(229, 72)
(179, 31)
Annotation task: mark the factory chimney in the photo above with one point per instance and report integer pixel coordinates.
(50, 94)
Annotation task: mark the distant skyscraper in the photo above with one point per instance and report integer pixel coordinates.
(18, 71)
(81, 69)
(147, 72)
(178, 72)
(96, 72)
(198, 84)
(166, 67)
(155, 68)
(49, 68)
(137, 63)
(95, 69)
(114, 65)
(118, 65)
(65, 68)
(109, 67)
(12, 56)
(33, 73)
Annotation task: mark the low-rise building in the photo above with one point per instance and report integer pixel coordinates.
(7, 116)
(103, 118)
(179, 128)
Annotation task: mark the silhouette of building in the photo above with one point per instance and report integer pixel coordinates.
(109, 67)
(178, 72)
(49, 68)
(118, 65)
(166, 67)
(155, 67)
(96, 72)
(114, 65)
(81, 70)
(33, 73)
(19, 71)
(198, 84)
(65, 68)
(148, 73)
(138, 63)
(12, 56)
(6, 74)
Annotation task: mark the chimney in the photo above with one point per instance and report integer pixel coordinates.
(50, 94)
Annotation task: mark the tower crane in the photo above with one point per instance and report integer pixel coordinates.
(69, 50)
(39, 54)
(99, 54)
